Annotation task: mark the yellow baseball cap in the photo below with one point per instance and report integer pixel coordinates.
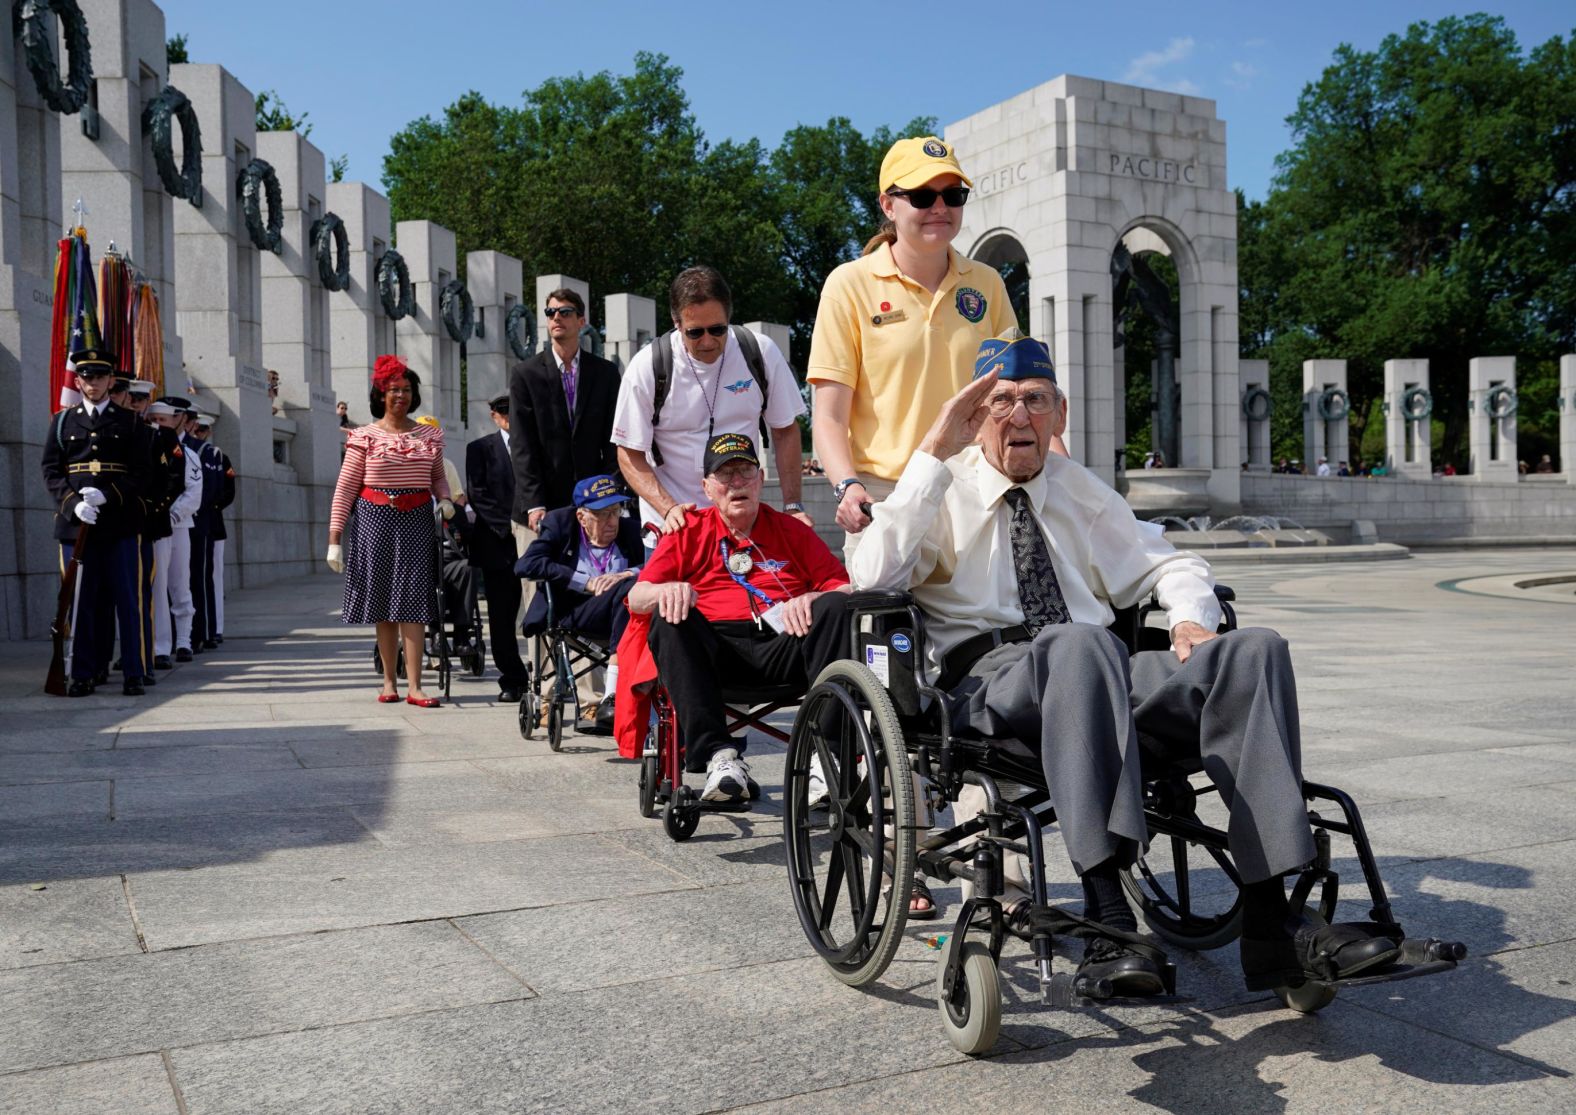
(913, 162)
(426, 420)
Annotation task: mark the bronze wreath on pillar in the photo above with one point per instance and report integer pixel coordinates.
(394, 289)
(158, 117)
(331, 246)
(38, 48)
(519, 329)
(257, 182)
(457, 310)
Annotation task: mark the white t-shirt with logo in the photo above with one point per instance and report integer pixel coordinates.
(723, 395)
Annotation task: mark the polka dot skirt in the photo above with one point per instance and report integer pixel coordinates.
(390, 564)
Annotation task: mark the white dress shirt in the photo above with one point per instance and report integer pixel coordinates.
(943, 536)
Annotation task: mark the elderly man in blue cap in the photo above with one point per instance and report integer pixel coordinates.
(1019, 557)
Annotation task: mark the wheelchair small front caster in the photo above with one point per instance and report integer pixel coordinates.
(971, 1015)
(679, 817)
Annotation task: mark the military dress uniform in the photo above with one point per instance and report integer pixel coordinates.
(206, 526)
(107, 449)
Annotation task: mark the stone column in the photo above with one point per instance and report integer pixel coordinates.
(360, 331)
(1254, 433)
(1320, 437)
(1493, 440)
(495, 281)
(115, 173)
(31, 221)
(631, 326)
(429, 252)
(1567, 411)
(295, 329)
(545, 283)
(1407, 441)
(218, 311)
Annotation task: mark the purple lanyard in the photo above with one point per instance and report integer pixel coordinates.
(567, 375)
(599, 564)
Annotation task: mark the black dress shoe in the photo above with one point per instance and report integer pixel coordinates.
(1127, 972)
(101, 678)
(149, 679)
(1311, 950)
(80, 689)
(183, 654)
(209, 644)
(133, 689)
(508, 696)
(196, 648)
(162, 662)
(218, 639)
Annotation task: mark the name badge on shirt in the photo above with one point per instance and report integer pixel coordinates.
(891, 317)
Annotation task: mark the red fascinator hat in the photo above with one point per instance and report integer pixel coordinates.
(386, 369)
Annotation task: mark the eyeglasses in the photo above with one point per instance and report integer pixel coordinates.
(560, 311)
(923, 197)
(1035, 402)
(733, 477)
(696, 333)
(398, 391)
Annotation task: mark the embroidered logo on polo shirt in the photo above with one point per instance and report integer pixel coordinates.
(739, 387)
(971, 303)
(771, 565)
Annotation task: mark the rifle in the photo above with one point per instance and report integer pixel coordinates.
(55, 684)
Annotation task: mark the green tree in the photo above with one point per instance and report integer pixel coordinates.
(175, 50)
(1427, 208)
(274, 116)
(337, 166)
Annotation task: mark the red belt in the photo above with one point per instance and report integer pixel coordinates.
(409, 501)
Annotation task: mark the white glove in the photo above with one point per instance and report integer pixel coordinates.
(446, 509)
(87, 512)
(336, 557)
(93, 496)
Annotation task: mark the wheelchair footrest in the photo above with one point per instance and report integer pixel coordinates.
(1419, 957)
(721, 806)
(1069, 991)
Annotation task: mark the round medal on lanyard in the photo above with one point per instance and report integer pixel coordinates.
(740, 563)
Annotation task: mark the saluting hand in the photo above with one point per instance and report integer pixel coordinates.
(959, 422)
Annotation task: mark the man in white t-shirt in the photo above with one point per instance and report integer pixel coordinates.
(711, 391)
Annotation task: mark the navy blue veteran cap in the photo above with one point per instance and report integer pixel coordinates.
(597, 492)
(1023, 358)
(729, 447)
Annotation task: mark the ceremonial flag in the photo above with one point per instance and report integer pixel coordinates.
(74, 319)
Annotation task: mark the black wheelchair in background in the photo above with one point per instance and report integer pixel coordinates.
(875, 723)
(455, 636)
(560, 656)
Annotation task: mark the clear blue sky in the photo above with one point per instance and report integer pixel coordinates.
(362, 70)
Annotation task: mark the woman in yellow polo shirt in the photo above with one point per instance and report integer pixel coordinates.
(897, 330)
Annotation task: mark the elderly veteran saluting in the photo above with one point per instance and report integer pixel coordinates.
(741, 590)
(1018, 556)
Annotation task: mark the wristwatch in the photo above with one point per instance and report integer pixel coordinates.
(793, 507)
(840, 489)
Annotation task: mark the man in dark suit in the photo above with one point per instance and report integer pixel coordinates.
(489, 480)
(560, 416)
(591, 554)
(102, 469)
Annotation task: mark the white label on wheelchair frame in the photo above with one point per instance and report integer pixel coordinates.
(876, 658)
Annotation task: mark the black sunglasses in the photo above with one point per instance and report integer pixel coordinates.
(560, 311)
(696, 333)
(924, 197)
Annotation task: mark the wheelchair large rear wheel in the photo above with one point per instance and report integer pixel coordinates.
(851, 868)
(650, 771)
(1188, 894)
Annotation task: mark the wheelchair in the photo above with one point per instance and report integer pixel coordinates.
(661, 780)
(559, 657)
(875, 723)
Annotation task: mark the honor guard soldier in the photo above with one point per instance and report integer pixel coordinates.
(100, 467)
(177, 559)
(207, 528)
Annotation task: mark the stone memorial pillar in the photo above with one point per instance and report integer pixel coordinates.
(1254, 413)
(546, 283)
(495, 281)
(296, 331)
(1491, 416)
(1407, 407)
(218, 311)
(631, 326)
(1567, 412)
(1325, 429)
(360, 331)
(429, 252)
(32, 218)
(114, 173)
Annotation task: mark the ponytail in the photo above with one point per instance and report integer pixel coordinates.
(885, 234)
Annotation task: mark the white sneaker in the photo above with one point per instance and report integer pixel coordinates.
(819, 796)
(727, 779)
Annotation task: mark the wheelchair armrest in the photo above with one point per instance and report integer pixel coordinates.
(1225, 593)
(873, 600)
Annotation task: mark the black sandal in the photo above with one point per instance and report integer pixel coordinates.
(921, 891)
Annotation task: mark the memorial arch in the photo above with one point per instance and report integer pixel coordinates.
(1075, 174)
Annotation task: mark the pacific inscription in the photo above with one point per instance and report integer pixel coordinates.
(1156, 170)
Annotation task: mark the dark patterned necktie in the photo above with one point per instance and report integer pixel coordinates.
(1038, 589)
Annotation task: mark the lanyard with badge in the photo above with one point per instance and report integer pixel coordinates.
(738, 564)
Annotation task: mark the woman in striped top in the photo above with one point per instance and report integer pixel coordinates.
(392, 472)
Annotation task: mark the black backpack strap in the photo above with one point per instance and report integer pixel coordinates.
(662, 374)
(752, 357)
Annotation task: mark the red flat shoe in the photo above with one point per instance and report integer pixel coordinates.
(423, 702)
(388, 698)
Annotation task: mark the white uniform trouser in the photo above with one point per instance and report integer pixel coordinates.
(163, 631)
(180, 589)
(218, 587)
